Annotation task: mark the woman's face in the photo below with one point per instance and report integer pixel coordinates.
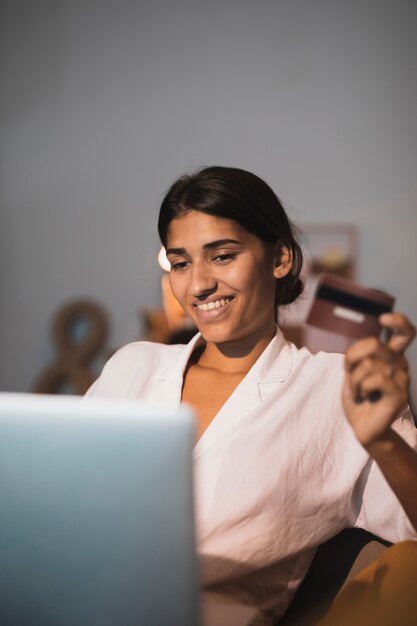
(223, 276)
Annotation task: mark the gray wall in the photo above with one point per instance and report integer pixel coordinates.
(104, 103)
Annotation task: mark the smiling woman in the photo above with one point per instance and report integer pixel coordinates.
(284, 456)
(245, 200)
(232, 261)
(223, 277)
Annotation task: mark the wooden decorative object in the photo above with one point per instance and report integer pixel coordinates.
(155, 325)
(72, 369)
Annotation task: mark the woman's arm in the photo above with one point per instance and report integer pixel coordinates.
(375, 392)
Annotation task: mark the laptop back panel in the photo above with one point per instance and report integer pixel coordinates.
(96, 513)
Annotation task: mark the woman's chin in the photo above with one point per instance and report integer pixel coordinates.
(220, 334)
(216, 334)
(211, 335)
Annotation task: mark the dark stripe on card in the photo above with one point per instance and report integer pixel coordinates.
(352, 302)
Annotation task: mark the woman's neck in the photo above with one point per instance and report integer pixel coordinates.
(233, 357)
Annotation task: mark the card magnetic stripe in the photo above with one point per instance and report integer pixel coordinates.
(352, 302)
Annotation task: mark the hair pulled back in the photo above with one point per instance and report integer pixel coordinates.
(237, 195)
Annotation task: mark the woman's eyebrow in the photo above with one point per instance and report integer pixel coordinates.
(218, 243)
(175, 251)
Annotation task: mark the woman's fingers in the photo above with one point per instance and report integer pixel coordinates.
(377, 380)
(378, 383)
(375, 369)
(402, 330)
(369, 348)
(388, 366)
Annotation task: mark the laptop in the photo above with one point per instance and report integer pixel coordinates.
(96, 513)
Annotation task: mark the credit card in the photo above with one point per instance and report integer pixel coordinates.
(343, 306)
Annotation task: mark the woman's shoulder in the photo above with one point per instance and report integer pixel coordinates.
(318, 361)
(144, 354)
(285, 362)
(318, 376)
(149, 348)
(133, 365)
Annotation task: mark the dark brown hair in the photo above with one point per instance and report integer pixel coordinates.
(237, 195)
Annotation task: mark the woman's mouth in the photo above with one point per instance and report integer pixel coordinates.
(214, 304)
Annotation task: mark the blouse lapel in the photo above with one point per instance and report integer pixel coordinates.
(168, 377)
(274, 365)
(267, 374)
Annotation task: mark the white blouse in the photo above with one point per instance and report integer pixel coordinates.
(277, 472)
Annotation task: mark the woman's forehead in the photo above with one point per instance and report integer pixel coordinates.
(196, 225)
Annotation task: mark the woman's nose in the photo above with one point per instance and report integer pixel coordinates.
(203, 282)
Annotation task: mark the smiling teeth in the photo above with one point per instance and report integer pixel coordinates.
(209, 306)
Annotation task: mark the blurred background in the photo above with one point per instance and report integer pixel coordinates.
(105, 102)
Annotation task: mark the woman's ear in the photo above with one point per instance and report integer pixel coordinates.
(283, 262)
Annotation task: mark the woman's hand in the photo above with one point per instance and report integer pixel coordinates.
(376, 381)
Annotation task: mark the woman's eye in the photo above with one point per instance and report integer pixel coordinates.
(224, 258)
(178, 265)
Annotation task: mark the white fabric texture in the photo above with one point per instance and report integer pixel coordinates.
(277, 472)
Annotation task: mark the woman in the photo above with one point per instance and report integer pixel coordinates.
(278, 467)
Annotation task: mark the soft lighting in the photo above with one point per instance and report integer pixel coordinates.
(163, 261)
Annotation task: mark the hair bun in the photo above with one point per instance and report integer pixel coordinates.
(289, 289)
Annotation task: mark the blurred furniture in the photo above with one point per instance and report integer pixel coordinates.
(336, 562)
(330, 248)
(170, 324)
(157, 329)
